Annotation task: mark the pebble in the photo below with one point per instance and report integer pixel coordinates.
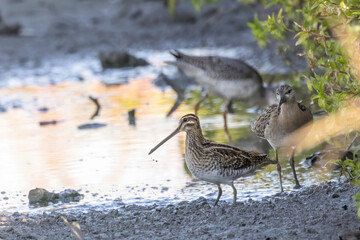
(102, 236)
(335, 195)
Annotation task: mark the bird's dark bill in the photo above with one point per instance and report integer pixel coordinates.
(177, 130)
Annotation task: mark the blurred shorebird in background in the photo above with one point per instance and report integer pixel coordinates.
(280, 120)
(228, 78)
(214, 162)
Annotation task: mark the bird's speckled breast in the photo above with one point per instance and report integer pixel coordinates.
(290, 119)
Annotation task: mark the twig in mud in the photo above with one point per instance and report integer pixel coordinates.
(74, 229)
(352, 142)
(46, 123)
(98, 107)
(131, 115)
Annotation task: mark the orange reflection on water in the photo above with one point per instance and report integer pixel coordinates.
(116, 156)
(61, 156)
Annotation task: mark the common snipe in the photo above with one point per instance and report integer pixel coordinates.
(214, 162)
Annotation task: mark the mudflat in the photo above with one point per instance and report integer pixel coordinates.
(322, 211)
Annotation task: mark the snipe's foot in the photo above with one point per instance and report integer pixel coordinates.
(298, 186)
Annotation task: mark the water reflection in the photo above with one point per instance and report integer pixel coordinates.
(112, 162)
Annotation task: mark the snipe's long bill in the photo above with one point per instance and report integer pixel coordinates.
(214, 162)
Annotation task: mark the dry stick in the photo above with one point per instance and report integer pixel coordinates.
(352, 142)
(131, 115)
(75, 230)
(98, 107)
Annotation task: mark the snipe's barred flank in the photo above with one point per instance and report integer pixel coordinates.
(214, 162)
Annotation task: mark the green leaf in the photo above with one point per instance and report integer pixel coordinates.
(279, 18)
(197, 4)
(302, 37)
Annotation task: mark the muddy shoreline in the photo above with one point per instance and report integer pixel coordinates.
(322, 211)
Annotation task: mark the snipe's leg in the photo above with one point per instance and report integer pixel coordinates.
(292, 164)
(235, 193)
(278, 169)
(225, 120)
(196, 108)
(219, 195)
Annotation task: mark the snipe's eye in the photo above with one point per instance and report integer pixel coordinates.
(185, 120)
(288, 91)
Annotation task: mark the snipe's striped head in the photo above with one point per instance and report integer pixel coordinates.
(187, 123)
(284, 94)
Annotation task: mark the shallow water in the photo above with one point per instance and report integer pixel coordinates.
(111, 164)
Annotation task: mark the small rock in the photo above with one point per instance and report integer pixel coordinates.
(13, 29)
(120, 60)
(39, 195)
(46, 123)
(183, 203)
(16, 214)
(335, 195)
(43, 109)
(2, 109)
(7, 229)
(91, 126)
(230, 235)
(102, 236)
(70, 195)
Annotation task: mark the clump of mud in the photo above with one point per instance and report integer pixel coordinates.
(122, 59)
(42, 196)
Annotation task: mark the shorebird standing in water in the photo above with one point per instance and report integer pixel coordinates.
(278, 121)
(214, 162)
(230, 79)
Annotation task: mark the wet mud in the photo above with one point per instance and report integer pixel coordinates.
(322, 211)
